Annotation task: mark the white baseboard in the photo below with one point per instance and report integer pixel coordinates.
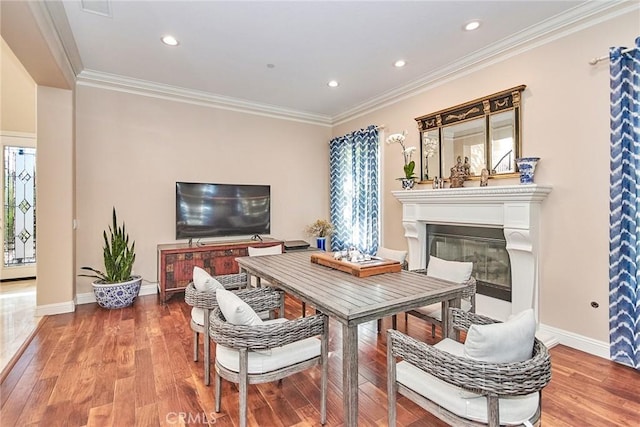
(58, 308)
(579, 342)
(89, 297)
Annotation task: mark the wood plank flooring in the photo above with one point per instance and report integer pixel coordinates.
(134, 366)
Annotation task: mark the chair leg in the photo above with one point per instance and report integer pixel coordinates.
(433, 330)
(394, 322)
(243, 384)
(304, 309)
(324, 352)
(218, 387)
(195, 346)
(379, 325)
(493, 411)
(392, 387)
(207, 347)
(207, 360)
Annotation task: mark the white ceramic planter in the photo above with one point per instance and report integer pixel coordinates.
(117, 295)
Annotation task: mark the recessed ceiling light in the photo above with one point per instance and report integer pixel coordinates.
(472, 25)
(400, 63)
(170, 41)
(332, 83)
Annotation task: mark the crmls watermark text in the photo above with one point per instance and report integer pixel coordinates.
(190, 418)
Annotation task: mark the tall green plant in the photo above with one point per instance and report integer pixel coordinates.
(118, 255)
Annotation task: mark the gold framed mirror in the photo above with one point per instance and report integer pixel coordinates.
(485, 133)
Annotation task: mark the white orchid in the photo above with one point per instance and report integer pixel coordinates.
(430, 146)
(409, 151)
(397, 138)
(409, 165)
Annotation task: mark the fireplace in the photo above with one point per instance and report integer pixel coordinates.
(514, 210)
(485, 247)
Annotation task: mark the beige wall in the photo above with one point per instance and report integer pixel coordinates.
(55, 268)
(131, 150)
(566, 123)
(17, 94)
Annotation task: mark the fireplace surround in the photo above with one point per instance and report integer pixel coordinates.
(513, 208)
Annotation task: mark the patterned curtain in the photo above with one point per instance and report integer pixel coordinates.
(624, 229)
(354, 190)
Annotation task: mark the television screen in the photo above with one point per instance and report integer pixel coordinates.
(217, 210)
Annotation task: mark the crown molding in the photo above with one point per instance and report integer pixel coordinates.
(569, 22)
(583, 16)
(58, 17)
(174, 93)
(52, 22)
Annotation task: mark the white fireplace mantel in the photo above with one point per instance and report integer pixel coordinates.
(514, 208)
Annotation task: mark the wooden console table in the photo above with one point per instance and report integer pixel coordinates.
(176, 261)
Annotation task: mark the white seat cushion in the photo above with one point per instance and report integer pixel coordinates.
(269, 250)
(513, 410)
(393, 254)
(261, 361)
(511, 341)
(235, 310)
(435, 310)
(204, 282)
(453, 271)
(197, 315)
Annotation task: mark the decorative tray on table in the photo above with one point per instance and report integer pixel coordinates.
(365, 268)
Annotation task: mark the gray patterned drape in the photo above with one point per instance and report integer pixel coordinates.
(354, 163)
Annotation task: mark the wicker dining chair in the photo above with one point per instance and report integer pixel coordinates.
(433, 313)
(257, 282)
(267, 352)
(462, 391)
(203, 304)
(453, 271)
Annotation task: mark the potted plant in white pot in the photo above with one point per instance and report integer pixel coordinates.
(116, 287)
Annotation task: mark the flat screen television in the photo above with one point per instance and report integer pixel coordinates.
(221, 210)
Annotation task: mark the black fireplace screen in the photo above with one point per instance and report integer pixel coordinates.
(484, 247)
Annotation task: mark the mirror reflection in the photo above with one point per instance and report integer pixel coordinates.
(464, 141)
(502, 142)
(483, 133)
(431, 154)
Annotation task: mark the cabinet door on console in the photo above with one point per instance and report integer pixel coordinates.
(179, 268)
(224, 260)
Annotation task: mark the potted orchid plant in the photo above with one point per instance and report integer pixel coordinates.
(409, 179)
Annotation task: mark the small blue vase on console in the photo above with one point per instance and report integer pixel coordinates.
(321, 243)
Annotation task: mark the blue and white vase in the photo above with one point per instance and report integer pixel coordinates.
(527, 168)
(408, 183)
(321, 243)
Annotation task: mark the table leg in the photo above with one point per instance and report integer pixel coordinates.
(447, 326)
(350, 374)
(248, 285)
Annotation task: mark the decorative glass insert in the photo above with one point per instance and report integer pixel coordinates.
(484, 247)
(19, 206)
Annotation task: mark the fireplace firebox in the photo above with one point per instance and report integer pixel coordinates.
(485, 247)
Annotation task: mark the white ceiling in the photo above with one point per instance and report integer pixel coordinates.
(225, 47)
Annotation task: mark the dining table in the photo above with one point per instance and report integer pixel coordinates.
(351, 300)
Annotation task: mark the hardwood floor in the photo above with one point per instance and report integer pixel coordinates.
(134, 366)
